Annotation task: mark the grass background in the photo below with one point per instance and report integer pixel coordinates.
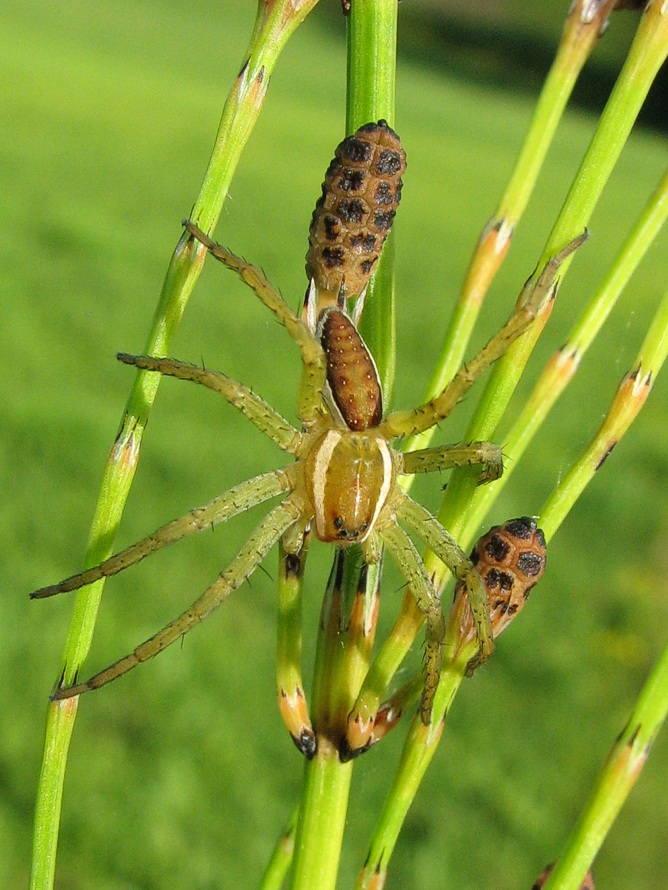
(181, 775)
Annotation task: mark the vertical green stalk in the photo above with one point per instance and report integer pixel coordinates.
(275, 22)
(343, 649)
(372, 47)
(630, 397)
(650, 47)
(281, 857)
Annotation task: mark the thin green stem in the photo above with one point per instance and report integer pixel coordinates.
(615, 781)
(372, 43)
(340, 665)
(349, 610)
(322, 818)
(646, 56)
(281, 857)
(629, 399)
(647, 53)
(419, 749)
(579, 37)
(597, 166)
(289, 682)
(564, 364)
(275, 23)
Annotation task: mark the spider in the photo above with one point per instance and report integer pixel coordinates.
(344, 481)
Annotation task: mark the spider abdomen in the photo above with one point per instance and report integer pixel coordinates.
(354, 390)
(354, 214)
(348, 477)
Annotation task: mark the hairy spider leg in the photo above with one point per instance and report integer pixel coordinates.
(533, 296)
(430, 530)
(415, 574)
(238, 499)
(309, 402)
(259, 412)
(261, 540)
(462, 454)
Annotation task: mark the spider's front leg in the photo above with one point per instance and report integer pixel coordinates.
(254, 408)
(313, 357)
(238, 499)
(534, 294)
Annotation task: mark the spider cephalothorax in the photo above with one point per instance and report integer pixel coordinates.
(343, 483)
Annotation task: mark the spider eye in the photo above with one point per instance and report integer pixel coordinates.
(339, 527)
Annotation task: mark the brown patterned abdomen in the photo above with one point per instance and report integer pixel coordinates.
(354, 215)
(510, 559)
(351, 373)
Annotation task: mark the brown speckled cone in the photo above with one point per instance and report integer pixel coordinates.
(354, 215)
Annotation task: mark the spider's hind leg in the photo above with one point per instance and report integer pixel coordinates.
(430, 530)
(487, 455)
(413, 569)
(261, 540)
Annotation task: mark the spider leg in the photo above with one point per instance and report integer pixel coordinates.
(533, 296)
(260, 414)
(247, 559)
(445, 457)
(413, 569)
(242, 497)
(313, 357)
(427, 527)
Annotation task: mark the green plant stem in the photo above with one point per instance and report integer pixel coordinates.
(275, 22)
(578, 39)
(615, 781)
(281, 857)
(418, 751)
(371, 77)
(611, 135)
(647, 53)
(629, 399)
(563, 365)
(339, 668)
(344, 646)
(289, 682)
(322, 817)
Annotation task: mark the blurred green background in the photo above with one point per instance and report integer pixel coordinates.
(181, 775)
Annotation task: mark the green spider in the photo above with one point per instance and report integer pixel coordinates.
(344, 482)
